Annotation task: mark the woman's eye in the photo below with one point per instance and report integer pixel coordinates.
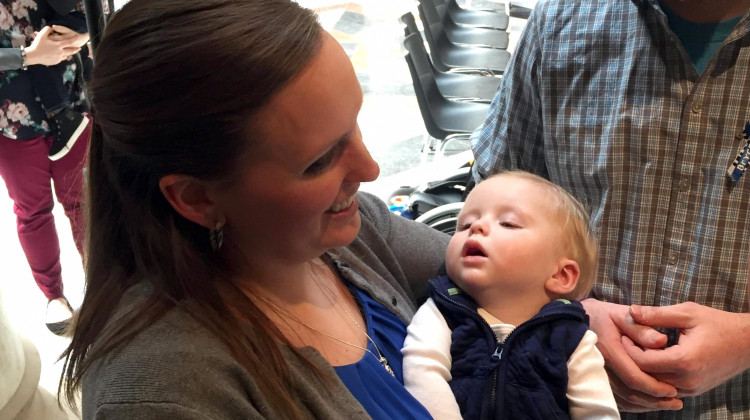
(326, 160)
(318, 166)
(508, 224)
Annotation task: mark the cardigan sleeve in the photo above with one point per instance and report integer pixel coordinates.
(589, 393)
(10, 59)
(154, 411)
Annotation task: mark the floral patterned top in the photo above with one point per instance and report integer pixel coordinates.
(22, 116)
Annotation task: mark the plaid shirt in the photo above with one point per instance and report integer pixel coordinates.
(602, 99)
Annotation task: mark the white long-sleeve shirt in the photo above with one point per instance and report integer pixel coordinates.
(427, 369)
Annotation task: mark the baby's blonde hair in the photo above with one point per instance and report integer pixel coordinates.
(581, 244)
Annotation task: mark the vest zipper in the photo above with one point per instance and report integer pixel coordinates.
(535, 320)
(496, 357)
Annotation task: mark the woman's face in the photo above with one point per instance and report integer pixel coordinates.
(295, 197)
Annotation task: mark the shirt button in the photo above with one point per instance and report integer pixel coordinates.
(696, 108)
(672, 258)
(343, 264)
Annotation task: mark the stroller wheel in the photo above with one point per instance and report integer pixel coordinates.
(442, 218)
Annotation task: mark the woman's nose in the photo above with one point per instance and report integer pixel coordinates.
(363, 166)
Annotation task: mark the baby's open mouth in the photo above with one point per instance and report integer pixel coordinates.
(473, 249)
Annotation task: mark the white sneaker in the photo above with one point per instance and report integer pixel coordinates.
(59, 316)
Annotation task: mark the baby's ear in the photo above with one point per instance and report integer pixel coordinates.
(565, 280)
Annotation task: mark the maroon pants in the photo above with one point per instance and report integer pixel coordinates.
(27, 172)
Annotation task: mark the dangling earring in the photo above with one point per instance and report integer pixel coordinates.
(216, 236)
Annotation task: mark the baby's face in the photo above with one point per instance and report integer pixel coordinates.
(507, 240)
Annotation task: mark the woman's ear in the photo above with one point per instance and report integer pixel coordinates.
(565, 280)
(189, 197)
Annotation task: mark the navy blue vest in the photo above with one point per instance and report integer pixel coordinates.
(526, 376)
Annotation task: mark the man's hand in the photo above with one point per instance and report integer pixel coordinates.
(634, 390)
(713, 347)
(47, 51)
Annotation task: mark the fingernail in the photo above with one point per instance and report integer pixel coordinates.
(635, 310)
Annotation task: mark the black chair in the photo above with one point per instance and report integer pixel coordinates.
(411, 28)
(467, 17)
(497, 7)
(447, 56)
(478, 37)
(444, 119)
(454, 86)
(518, 11)
(411, 24)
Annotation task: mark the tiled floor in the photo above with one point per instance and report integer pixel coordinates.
(390, 122)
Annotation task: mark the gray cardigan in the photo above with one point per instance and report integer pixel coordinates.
(175, 369)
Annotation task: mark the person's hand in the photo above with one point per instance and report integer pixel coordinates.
(634, 390)
(63, 33)
(47, 51)
(714, 346)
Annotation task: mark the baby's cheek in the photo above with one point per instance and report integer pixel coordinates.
(453, 256)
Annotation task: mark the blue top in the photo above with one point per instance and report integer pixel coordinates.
(382, 395)
(701, 40)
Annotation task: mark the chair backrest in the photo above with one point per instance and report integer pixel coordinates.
(428, 12)
(425, 108)
(433, 34)
(411, 24)
(414, 44)
(429, 97)
(451, 6)
(438, 42)
(438, 6)
(518, 11)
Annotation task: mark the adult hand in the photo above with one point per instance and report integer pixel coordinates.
(634, 390)
(714, 346)
(47, 51)
(62, 33)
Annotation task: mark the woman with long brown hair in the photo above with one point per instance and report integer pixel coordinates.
(233, 271)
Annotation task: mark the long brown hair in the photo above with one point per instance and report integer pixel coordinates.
(174, 88)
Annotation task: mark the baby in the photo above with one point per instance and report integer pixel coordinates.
(502, 336)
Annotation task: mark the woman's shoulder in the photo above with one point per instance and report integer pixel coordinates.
(373, 209)
(173, 367)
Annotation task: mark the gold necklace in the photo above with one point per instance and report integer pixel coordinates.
(383, 361)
